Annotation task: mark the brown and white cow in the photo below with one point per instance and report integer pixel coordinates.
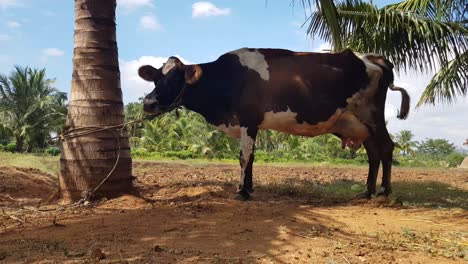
(301, 93)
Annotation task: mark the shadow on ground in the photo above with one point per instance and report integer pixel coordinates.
(185, 214)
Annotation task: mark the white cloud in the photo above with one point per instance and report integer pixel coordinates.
(53, 52)
(4, 37)
(13, 24)
(323, 47)
(133, 87)
(9, 3)
(150, 22)
(133, 4)
(207, 9)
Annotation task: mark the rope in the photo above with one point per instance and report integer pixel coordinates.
(86, 195)
(70, 134)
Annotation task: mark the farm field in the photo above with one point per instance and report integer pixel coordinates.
(183, 212)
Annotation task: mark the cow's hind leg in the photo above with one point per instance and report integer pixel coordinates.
(386, 148)
(246, 160)
(373, 155)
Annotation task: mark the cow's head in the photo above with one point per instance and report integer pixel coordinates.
(170, 82)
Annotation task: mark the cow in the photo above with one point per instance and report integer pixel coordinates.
(301, 93)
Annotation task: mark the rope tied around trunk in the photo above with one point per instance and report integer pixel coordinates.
(73, 133)
(115, 130)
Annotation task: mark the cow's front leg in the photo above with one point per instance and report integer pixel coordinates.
(246, 159)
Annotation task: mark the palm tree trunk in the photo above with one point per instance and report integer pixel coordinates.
(96, 100)
(19, 143)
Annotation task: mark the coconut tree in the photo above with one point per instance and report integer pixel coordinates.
(422, 35)
(404, 141)
(95, 101)
(30, 107)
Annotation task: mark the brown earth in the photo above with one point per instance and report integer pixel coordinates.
(184, 213)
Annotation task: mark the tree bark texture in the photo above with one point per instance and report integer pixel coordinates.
(95, 101)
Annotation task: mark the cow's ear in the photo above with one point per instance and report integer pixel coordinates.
(149, 73)
(192, 73)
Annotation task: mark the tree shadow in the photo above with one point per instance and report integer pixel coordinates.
(192, 218)
(430, 194)
(219, 231)
(426, 194)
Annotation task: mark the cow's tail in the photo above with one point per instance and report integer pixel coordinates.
(405, 101)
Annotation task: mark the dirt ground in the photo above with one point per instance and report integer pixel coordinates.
(185, 213)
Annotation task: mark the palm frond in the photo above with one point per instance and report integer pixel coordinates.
(329, 14)
(421, 35)
(409, 40)
(447, 10)
(30, 106)
(449, 82)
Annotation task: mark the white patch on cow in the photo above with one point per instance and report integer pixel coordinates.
(170, 63)
(343, 122)
(285, 121)
(358, 104)
(247, 145)
(253, 60)
(231, 130)
(374, 72)
(272, 120)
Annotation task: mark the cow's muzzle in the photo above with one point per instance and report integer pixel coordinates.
(151, 106)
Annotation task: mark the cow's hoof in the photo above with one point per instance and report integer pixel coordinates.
(364, 195)
(384, 191)
(242, 196)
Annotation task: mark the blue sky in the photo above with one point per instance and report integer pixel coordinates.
(39, 33)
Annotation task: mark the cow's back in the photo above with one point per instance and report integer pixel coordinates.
(313, 85)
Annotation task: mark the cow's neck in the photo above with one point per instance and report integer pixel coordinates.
(210, 95)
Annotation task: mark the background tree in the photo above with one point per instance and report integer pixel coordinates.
(134, 111)
(422, 35)
(436, 147)
(404, 142)
(95, 101)
(30, 108)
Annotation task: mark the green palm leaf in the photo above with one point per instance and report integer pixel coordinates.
(421, 35)
(448, 83)
(30, 106)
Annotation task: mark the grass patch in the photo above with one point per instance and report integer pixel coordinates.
(413, 193)
(430, 194)
(418, 194)
(45, 163)
(335, 192)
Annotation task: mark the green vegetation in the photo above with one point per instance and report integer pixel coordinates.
(187, 136)
(30, 110)
(404, 142)
(43, 162)
(430, 194)
(422, 35)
